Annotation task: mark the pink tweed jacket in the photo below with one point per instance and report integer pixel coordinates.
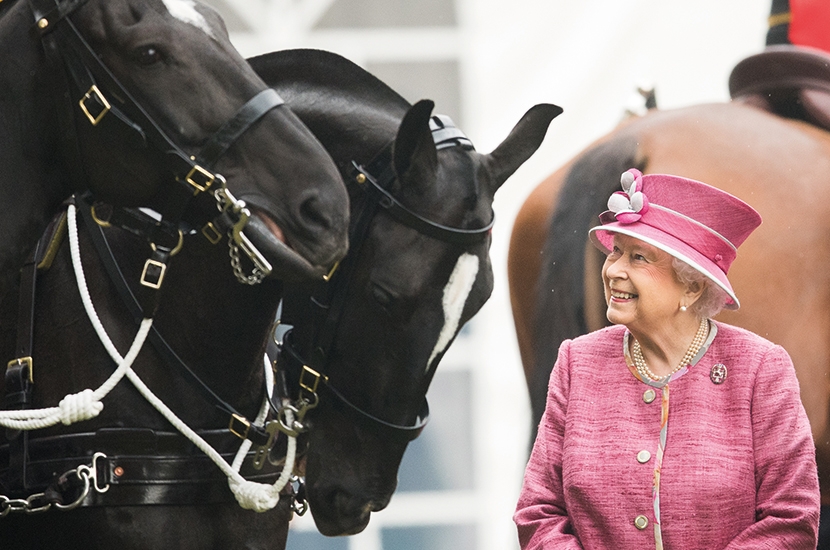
(738, 466)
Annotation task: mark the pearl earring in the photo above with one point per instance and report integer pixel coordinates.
(683, 308)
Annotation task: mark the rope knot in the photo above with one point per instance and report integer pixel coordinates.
(79, 406)
(251, 495)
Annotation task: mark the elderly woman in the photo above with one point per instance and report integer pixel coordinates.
(669, 430)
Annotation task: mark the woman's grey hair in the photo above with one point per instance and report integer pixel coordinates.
(712, 300)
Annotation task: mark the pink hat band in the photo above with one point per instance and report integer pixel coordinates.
(694, 222)
(694, 234)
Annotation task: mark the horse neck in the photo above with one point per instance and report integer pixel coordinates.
(216, 325)
(32, 181)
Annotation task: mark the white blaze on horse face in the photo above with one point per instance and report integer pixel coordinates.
(455, 296)
(185, 11)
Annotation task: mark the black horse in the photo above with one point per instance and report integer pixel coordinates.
(418, 268)
(219, 328)
(116, 96)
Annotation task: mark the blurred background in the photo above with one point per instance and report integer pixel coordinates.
(485, 63)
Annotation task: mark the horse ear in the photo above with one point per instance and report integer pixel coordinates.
(414, 155)
(522, 142)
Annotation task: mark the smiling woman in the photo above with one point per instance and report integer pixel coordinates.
(672, 474)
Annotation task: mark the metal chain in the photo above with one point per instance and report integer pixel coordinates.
(36, 503)
(256, 275)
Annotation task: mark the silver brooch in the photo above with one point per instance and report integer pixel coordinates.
(718, 373)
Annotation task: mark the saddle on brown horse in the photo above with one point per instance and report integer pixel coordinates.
(789, 81)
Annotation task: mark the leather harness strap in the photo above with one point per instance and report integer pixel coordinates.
(19, 376)
(141, 467)
(237, 422)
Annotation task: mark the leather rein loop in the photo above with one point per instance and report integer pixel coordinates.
(327, 300)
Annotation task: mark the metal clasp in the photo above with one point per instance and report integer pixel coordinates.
(95, 93)
(196, 173)
(23, 361)
(211, 233)
(153, 273)
(311, 386)
(272, 428)
(228, 203)
(244, 426)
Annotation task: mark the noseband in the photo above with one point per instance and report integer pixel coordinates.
(304, 366)
(105, 101)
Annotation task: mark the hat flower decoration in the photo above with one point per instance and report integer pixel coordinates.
(630, 204)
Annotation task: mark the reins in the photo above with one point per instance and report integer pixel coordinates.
(304, 363)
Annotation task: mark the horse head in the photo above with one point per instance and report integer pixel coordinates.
(409, 283)
(154, 103)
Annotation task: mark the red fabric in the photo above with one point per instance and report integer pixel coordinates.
(810, 23)
(739, 469)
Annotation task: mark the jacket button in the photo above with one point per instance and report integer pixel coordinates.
(649, 395)
(643, 457)
(641, 522)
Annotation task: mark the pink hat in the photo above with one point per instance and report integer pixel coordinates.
(694, 222)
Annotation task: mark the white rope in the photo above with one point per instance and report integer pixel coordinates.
(86, 404)
(259, 496)
(250, 495)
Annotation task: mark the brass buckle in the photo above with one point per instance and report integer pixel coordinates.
(211, 233)
(207, 179)
(241, 421)
(96, 93)
(311, 387)
(23, 361)
(155, 285)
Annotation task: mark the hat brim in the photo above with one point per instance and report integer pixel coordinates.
(602, 236)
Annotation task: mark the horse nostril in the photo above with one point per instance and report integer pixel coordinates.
(312, 211)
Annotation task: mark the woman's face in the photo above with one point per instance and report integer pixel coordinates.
(641, 288)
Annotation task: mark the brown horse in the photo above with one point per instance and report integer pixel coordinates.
(780, 166)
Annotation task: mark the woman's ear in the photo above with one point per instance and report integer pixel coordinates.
(693, 292)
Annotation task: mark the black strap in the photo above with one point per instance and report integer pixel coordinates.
(19, 377)
(452, 235)
(142, 467)
(237, 422)
(233, 129)
(292, 364)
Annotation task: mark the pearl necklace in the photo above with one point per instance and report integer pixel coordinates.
(645, 372)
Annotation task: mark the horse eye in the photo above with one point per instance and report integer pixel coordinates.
(148, 55)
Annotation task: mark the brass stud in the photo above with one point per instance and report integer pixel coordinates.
(361, 178)
(118, 471)
(42, 23)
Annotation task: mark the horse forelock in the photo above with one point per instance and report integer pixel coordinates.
(456, 292)
(186, 12)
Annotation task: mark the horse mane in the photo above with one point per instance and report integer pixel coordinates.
(323, 74)
(560, 305)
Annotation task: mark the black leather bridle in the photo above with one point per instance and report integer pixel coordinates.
(304, 365)
(104, 100)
